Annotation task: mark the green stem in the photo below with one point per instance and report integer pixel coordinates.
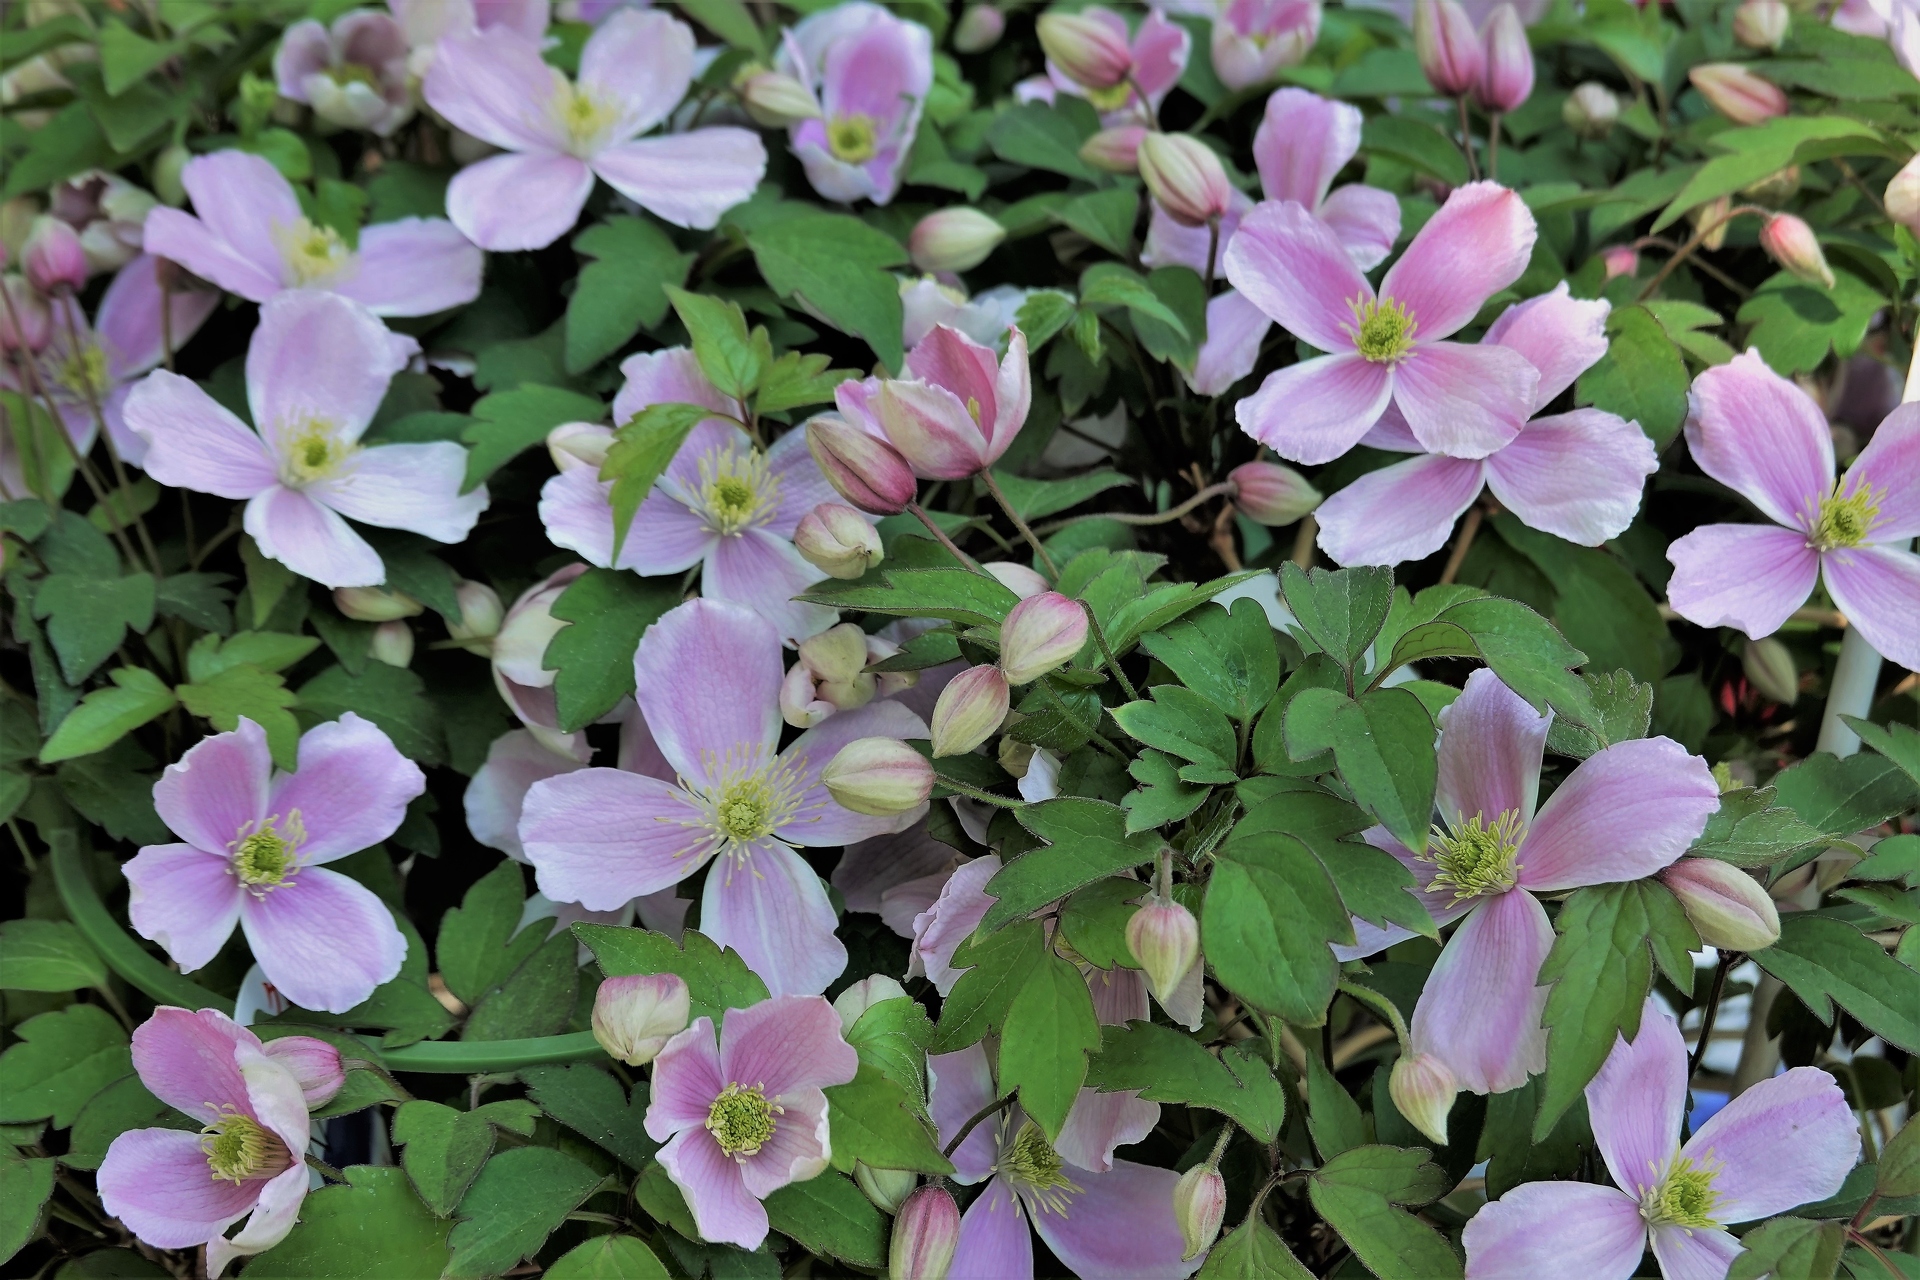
(975, 793)
(1106, 653)
(941, 537)
(993, 487)
(973, 1122)
(1384, 1008)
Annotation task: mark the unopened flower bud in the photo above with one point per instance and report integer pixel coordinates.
(1590, 110)
(1185, 177)
(1620, 260)
(1713, 217)
(890, 682)
(1447, 46)
(880, 777)
(1115, 150)
(1423, 1088)
(375, 604)
(167, 168)
(1015, 756)
(1041, 633)
(1770, 669)
(925, 1232)
(979, 29)
(800, 705)
(1761, 24)
(1903, 196)
(634, 1015)
(1729, 908)
(1777, 187)
(837, 540)
(1506, 80)
(1270, 494)
(863, 469)
(1165, 938)
(1089, 51)
(835, 665)
(887, 1188)
(774, 99)
(25, 322)
(1017, 578)
(955, 239)
(862, 996)
(970, 708)
(1737, 93)
(53, 258)
(1200, 1203)
(579, 444)
(314, 1063)
(392, 644)
(480, 616)
(1794, 246)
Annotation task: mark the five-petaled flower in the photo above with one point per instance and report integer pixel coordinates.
(871, 72)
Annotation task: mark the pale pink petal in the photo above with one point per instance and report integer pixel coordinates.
(1637, 1101)
(1012, 396)
(1315, 410)
(1465, 400)
(1367, 221)
(514, 201)
(272, 1219)
(133, 448)
(1401, 512)
(1303, 142)
(803, 486)
(311, 540)
(194, 443)
(324, 941)
(1686, 1254)
(938, 933)
(180, 237)
(1235, 330)
(820, 820)
(1560, 335)
(709, 677)
(688, 179)
(1119, 994)
(304, 50)
(1750, 576)
(1761, 436)
(493, 85)
(1121, 1226)
(1625, 812)
(351, 789)
(128, 325)
(1100, 1122)
(1480, 1010)
(245, 202)
(1172, 244)
(414, 267)
(868, 869)
(157, 1182)
(766, 903)
(288, 388)
(1802, 1112)
(1889, 466)
(958, 1085)
(932, 427)
(406, 486)
(1160, 50)
(602, 837)
(994, 1241)
(1477, 245)
(526, 18)
(1293, 267)
(1576, 475)
(1491, 743)
(763, 572)
(786, 1045)
(686, 1079)
(186, 1059)
(274, 1096)
(723, 1209)
(1392, 433)
(494, 797)
(184, 899)
(210, 794)
(948, 358)
(673, 376)
(639, 753)
(578, 515)
(641, 60)
(800, 1144)
(1878, 588)
(1556, 1228)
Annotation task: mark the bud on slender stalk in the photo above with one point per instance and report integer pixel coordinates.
(1200, 1204)
(1115, 150)
(1165, 938)
(375, 604)
(970, 708)
(925, 1232)
(955, 239)
(1730, 909)
(1794, 246)
(1091, 53)
(1590, 110)
(1185, 177)
(1761, 24)
(1447, 45)
(1770, 669)
(1507, 79)
(315, 1064)
(636, 1014)
(1737, 93)
(392, 644)
(880, 777)
(979, 29)
(773, 99)
(167, 168)
(863, 469)
(480, 616)
(1715, 216)
(1270, 494)
(1041, 633)
(53, 257)
(1903, 196)
(579, 444)
(887, 1188)
(1017, 578)
(863, 995)
(25, 322)
(1621, 260)
(837, 540)
(1423, 1089)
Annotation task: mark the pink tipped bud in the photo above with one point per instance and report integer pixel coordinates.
(579, 444)
(1090, 47)
(970, 709)
(375, 604)
(1447, 45)
(837, 540)
(1115, 150)
(1423, 1088)
(880, 777)
(1903, 196)
(25, 322)
(1200, 1203)
(979, 29)
(1590, 110)
(1185, 177)
(1017, 578)
(863, 995)
(1794, 246)
(1270, 494)
(863, 469)
(774, 99)
(1507, 79)
(1730, 909)
(1761, 24)
(925, 1232)
(1620, 260)
(1165, 938)
(314, 1063)
(1041, 633)
(1737, 93)
(956, 239)
(1770, 669)
(53, 258)
(887, 1188)
(634, 1015)
(392, 644)
(480, 616)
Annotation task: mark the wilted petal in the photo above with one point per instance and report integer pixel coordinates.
(351, 789)
(602, 837)
(1480, 1010)
(1750, 576)
(1316, 410)
(709, 677)
(1802, 1112)
(324, 941)
(1637, 1101)
(1293, 267)
(1576, 475)
(1556, 1228)
(1491, 744)
(688, 179)
(1477, 245)
(1560, 335)
(1878, 588)
(1760, 435)
(1465, 400)
(414, 267)
(1625, 812)
(770, 907)
(514, 201)
(1402, 512)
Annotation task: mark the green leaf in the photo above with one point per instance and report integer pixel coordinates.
(1085, 840)
(1108, 284)
(592, 658)
(623, 290)
(728, 19)
(1749, 830)
(126, 57)
(1044, 314)
(1526, 652)
(1252, 1251)
(892, 1037)
(1624, 708)
(70, 143)
(1340, 610)
(1841, 797)
(477, 947)
(957, 595)
(1050, 1028)
(1162, 796)
(25, 1187)
(837, 266)
(1897, 742)
(1104, 217)
(47, 955)
(1333, 1117)
(663, 1201)
(414, 568)
(594, 1105)
(537, 999)
(443, 1150)
(518, 1200)
(1182, 292)
(265, 650)
(62, 1060)
(873, 1121)
(88, 617)
(1600, 604)
(1757, 151)
(996, 968)
(1270, 917)
(1795, 324)
(372, 1228)
(268, 581)
(245, 690)
(1790, 1247)
(1600, 970)
(642, 448)
(1229, 659)
(1827, 961)
(125, 1104)
(1642, 377)
(1094, 922)
(114, 789)
(1038, 499)
(1415, 143)
(394, 698)
(718, 330)
(509, 422)
(1372, 883)
(1357, 1191)
(1181, 723)
(1042, 136)
(796, 380)
(831, 1217)
(1898, 1173)
(608, 1258)
(1894, 858)
(1167, 1066)
(1384, 746)
(716, 980)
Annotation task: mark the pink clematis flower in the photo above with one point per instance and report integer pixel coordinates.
(950, 920)
(956, 412)
(1623, 814)
(317, 369)
(708, 677)
(426, 21)
(1385, 349)
(1105, 1219)
(251, 238)
(1786, 1141)
(177, 1190)
(721, 503)
(1150, 62)
(254, 842)
(1762, 436)
(896, 877)
(559, 134)
(745, 1118)
(518, 657)
(1253, 39)
(871, 72)
(353, 74)
(1577, 475)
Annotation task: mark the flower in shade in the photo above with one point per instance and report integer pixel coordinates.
(176, 1189)
(1626, 812)
(745, 1117)
(109, 212)
(253, 841)
(721, 503)
(708, 676)
(1786, 1141)
(353, 74)
(955, 413)
(520, 674)
(1577, 475)
(317, 368)
(871, 72)
(1104, 1219)
(1253, 39)
(1387, 348)
(1760, 435)
(251, 238)
(896, 876)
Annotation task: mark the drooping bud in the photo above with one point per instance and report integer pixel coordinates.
(1165, 938)
(1017, 578)
(634, 1015)
(863, 469)
(480, 616)
(1270, 494)
(925, 1232)
(979, 29)
(1185, 177)
(1731, 910)
(970, 708)
(1737, 93)
(167, 168)
(1590, 110)
(955, 239)
(1041, 633)
(1903, 196)
(1713, 217)
(1115, 150)
(53, 258)
(579, 444)
(1088, 51)
(837, 540)
(1447, 45)
(375, 604)
(862, 996)
(392, 644)
(1770, 669)
(1423, 1088)
(314, 1063)
(25, 322)
(880, 777)
(1620, 260)
(775, 100)
(1761, 24)
(1200, 1203)
(1506, 81)
(1794, 246)
(887, 1188)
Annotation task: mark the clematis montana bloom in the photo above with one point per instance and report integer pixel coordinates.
(251, 238)
(1577, 475)
(559, 133)
(708, 676)
(253, 844)
(1113, 68)
(1760, 435)
(1253, 39)
(871, 72)
(353, 74)
(1786, 1141)
(1387, 348)
(956, 413)
(317, 368)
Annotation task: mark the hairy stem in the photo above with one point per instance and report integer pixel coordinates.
(973, 1121)
(993, 487)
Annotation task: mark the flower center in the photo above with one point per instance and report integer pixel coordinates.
(744, 803)
(1684, 1198)
(1382, 329)
(313, 254)
(1111, 98)
(238, 1148)
(1844, 520)
(314, 451)
(737, 491)
(1031, 1160)
(352, 73)
(741, 1120)
(1477, 858)
(84, 372)
(853, 139)
(263, 854)
(584, 116)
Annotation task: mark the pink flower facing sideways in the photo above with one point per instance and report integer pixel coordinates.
(1762, 436)
(1145, 62)
(560, 133)
(176, 1190)
(1577, 475)
(871, 72)
(353, 74)
(317, 368)
(253, 844)
(1786, 1141)
(1387, 348)
(957, 411)
(708, 680)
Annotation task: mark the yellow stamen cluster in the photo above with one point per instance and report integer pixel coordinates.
(585, 117)
(1031, 1161)
(1844, 519)
(239, 1148)
(352, 73)
(264, 854)
(1382, 329)
(746, 799)
(313, 452)
(1684, 1198)
(84, 372)
(853, 139)
(314, 254)
(737, 490)
(741, 1120)
(1477, 858)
